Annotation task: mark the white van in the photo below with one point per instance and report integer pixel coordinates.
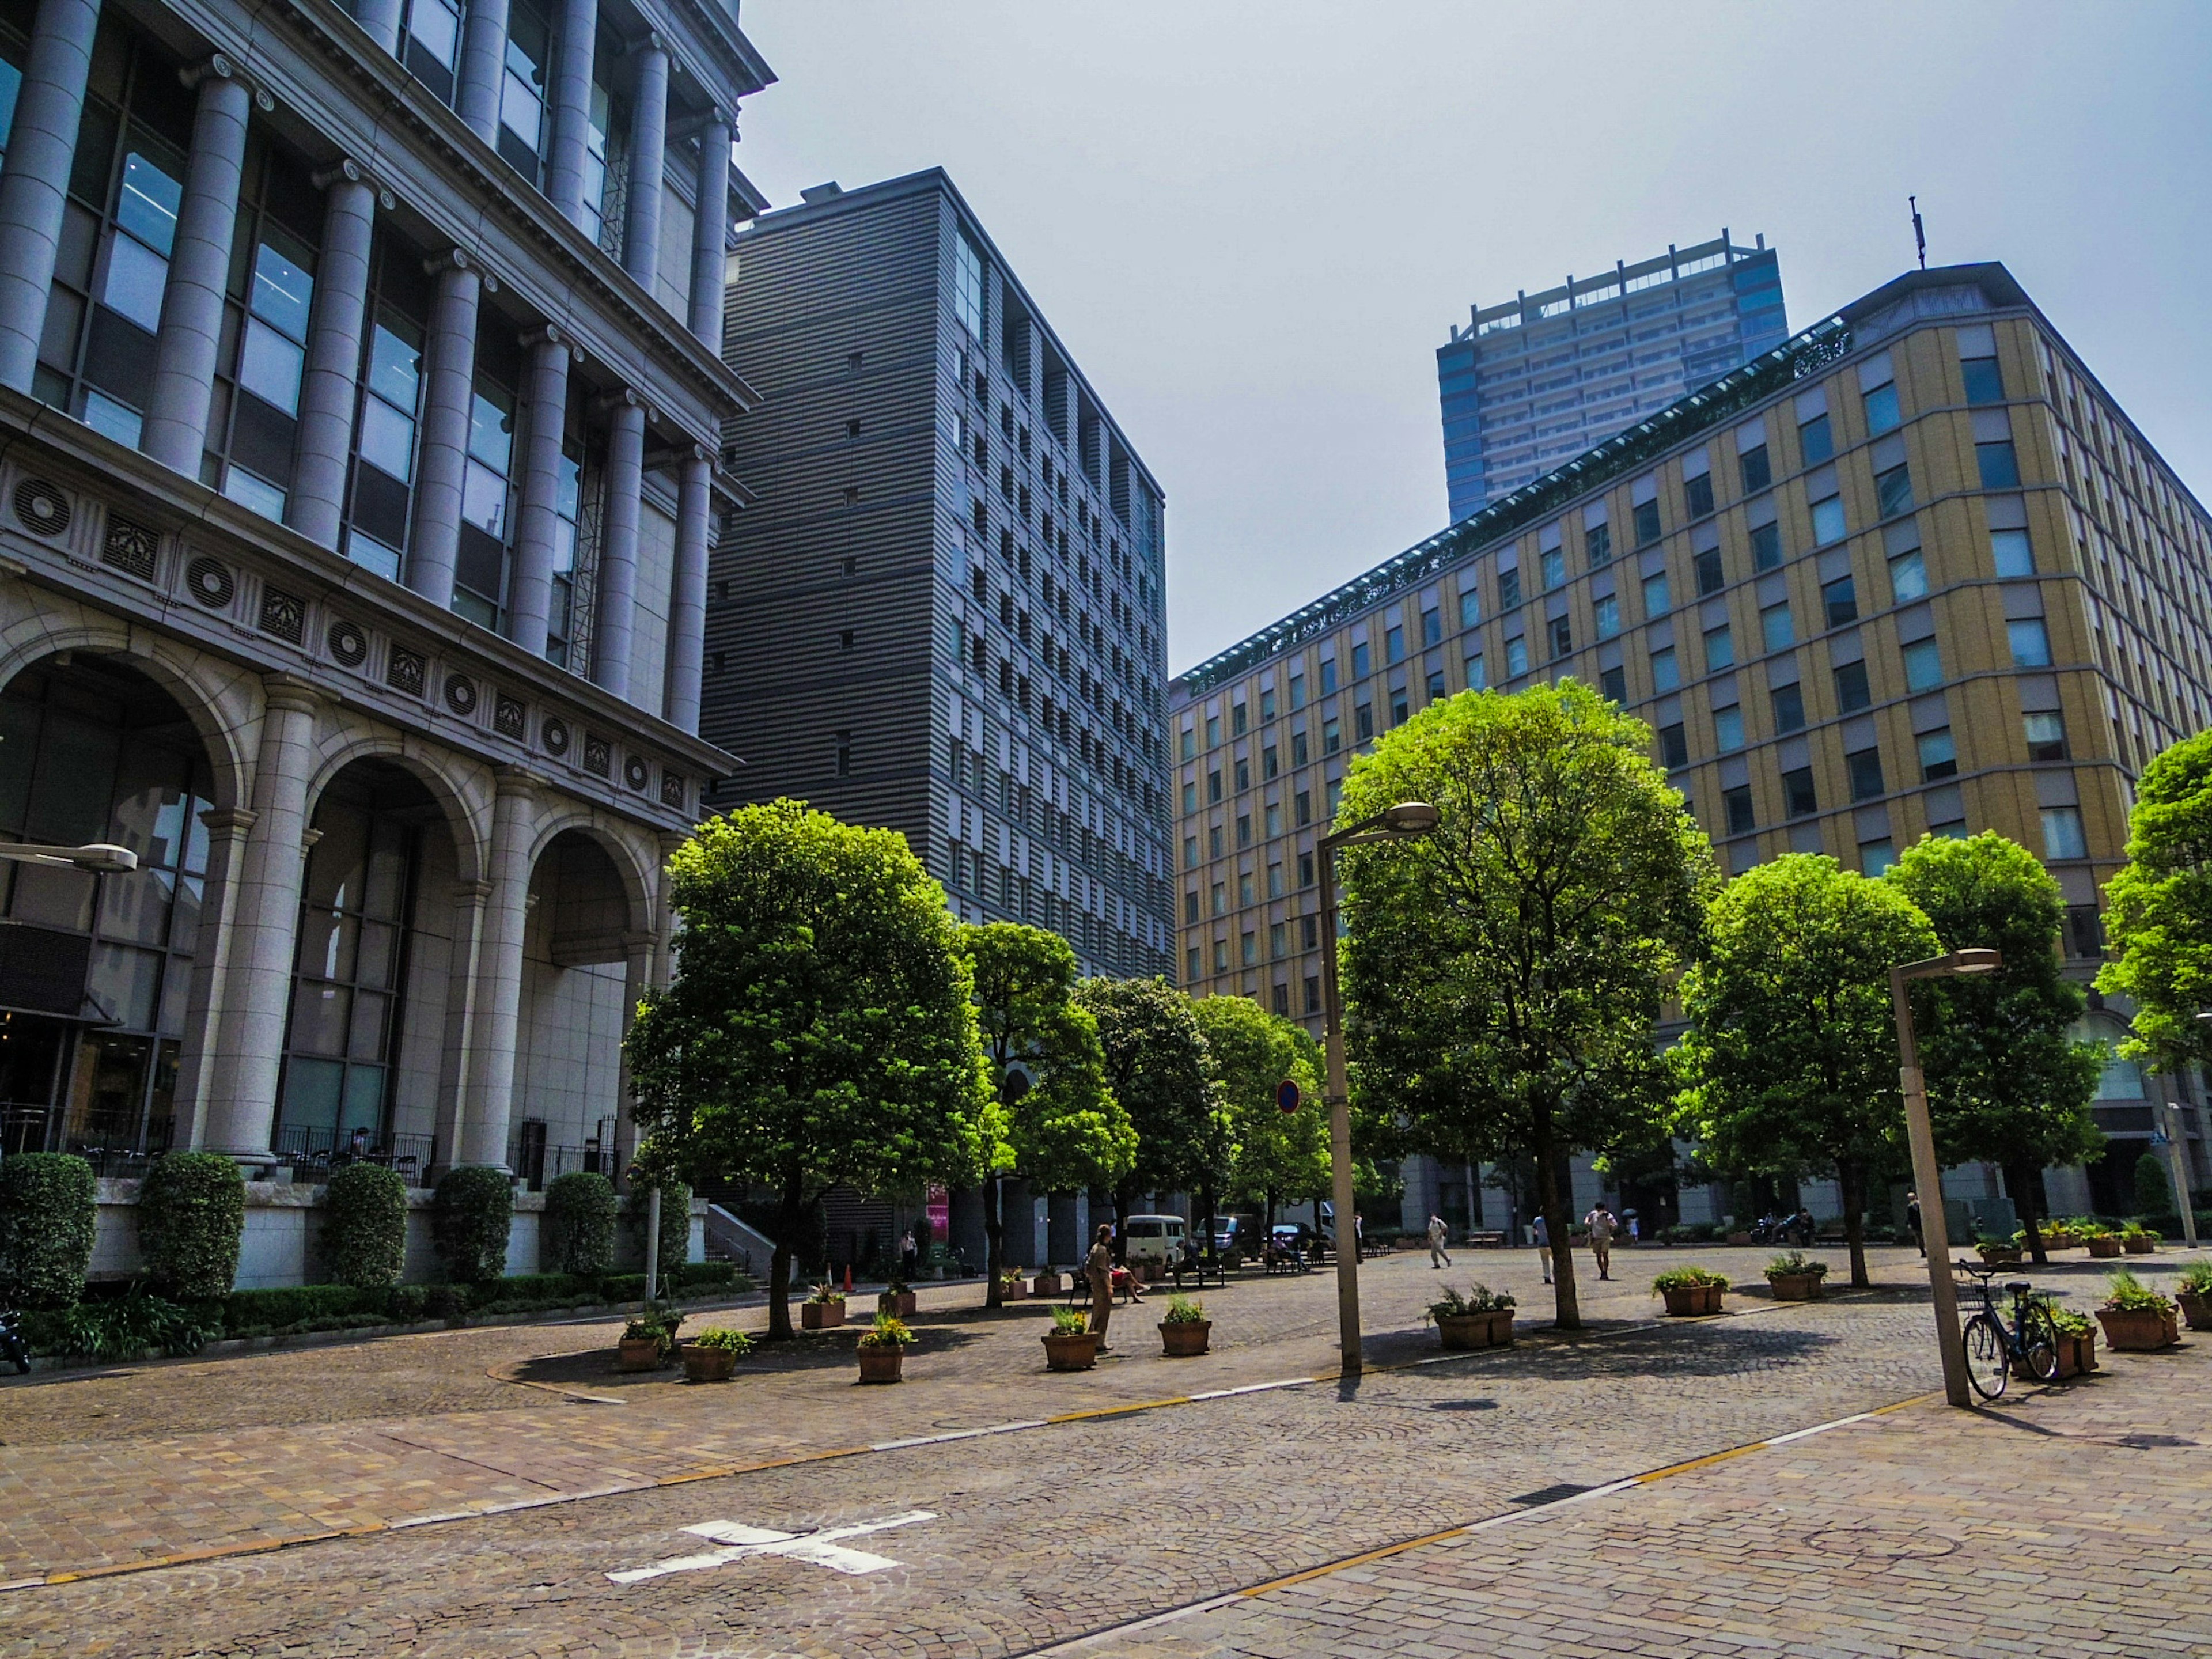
(1154, 1238)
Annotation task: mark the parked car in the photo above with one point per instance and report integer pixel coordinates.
(1154, 1238)
(1239, 1235)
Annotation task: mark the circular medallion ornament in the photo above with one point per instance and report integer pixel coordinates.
(460, 694)
(210, 581)
(41, 507)
(349, 645)
(556, 734)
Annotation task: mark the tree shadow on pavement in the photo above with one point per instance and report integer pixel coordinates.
(594, 1369)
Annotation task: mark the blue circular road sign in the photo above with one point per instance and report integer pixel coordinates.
(1287, 1098)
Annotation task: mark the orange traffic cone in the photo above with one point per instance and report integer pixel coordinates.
(848, 1278)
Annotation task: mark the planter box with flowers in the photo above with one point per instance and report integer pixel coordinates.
(896, 1300)
(2138, 1240)
(712, 1355)
(1690, 1290)
(1796, 1277)
(648, 1342)
(2077, 1343)
(1482, 1318)
(1185, 1330)
(1046, 1283)
(1013, 1287)
(1071, 1346)
(1996, 1252)
(2195, 1295)
(2102, 1244)
(882, 1348)
(823, 1311)
(2137, 1319)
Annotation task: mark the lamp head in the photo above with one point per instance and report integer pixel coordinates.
(1976, 962)
(1410, 817)
(104, 858)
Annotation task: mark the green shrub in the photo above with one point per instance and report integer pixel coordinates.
(124, 1327)
(577, 1235)
(2153, 1191)
(48, 1207)
(1069, 1321)
(192, 1212)
(472, 1210)
(1796, 1265)
(724, 1340)
(365, 1225)
(2197, 1279)
(710, 1275)
(2128, 1294)
(259, 1313)
(623, 1287)
(1184, 1310)
(1477, 1298)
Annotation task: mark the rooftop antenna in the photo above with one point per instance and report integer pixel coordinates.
(1919, 234)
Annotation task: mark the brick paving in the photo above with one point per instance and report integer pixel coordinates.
(1044, 1536)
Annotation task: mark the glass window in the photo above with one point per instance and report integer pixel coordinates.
(1775, 630)
(1516, 657)
(1394, 644)
(1267, 763)
(1606, 612)
(1432, 628)
(1882, 410)
(1876, 856)
(2031, 642)
(1266, 705)
(1923, 666)
(1666, 673)
(1893, 491)
(522, 88)
(1766, 546)
(2061, 833)
(1699, 493)
(135, 277)
(1720, 648)
(1563, 638)
(1742, 817)
(1939, 756)
(2047, 736)
(1999, 466)
(1728, 729)
(1509, 588)
(2014, 555)
(1840, 600)
(1647, 523)
(1327, 675)
(1711, 578)
(433, 37)
(1613, 683)
(1756, 471)
(1985, 381)
(1789, 709)
(1908, 578)
(1851, 691)
(1799, 797)
(1828, 520)
(1332, 736)
(1656, 599)
(1555, 568)
(967, 286)
(1362, 663)
(1297, 690)
(1864, 767)
(1674, 747)
(1598, 549)
(1238, 719)
(1814, 440)
(1470, 607)
(1362, 722)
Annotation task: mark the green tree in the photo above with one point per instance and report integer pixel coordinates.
(2154, 1191)
(1279, 1157)
(1064, 1128)
(1790, 1064)
(2007, 1084)
(2159, 911)
(818, 1029)
(1157, 1068)
(1503, 975)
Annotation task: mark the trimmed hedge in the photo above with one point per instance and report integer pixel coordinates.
(473, 1209)
(48, 1212)
(365, 1225)
(577, 1235)
(192, 1214)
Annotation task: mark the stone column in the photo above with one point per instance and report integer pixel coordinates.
(333, 367)
(381, 19)
(687, 605)
(483, 62)
(241, 1098)
(545, 399)
(175, 430)
(210, 957)
(40, 146)
(648, 148)
(470, 899)
(618, 547)
(711, 231)
(449, 372)
(573, 50)
(483, 1125)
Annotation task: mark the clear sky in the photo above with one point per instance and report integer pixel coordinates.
(1253, 221)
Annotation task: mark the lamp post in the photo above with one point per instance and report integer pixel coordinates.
(1404, 822)
(1927, 1174)
(100, 858)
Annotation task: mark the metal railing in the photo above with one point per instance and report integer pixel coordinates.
(313, 1153)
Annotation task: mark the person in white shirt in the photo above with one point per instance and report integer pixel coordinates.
(1602, 1226)
(1542, 1234)
(1438, 1233)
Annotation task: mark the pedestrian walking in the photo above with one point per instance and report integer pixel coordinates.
(1542, 1235)
(1438, 1234)
(1635, 1226)
(1602, 1226)
(909, 1258)
(1359, 1236)
(1912, 1220)
(1098, 1269)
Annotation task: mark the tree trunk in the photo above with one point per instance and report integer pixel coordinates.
(1567, 1313)
(994, 1235)
(1851, 1180)
(1125, 1199)
(2019, 1181)
(1205, 1198)
(788, 1220)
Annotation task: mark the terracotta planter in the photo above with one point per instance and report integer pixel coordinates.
(2197, 1308)
(638, 1353)
(1184, 1338)
(2140, 1246)
(1047, 1283)
(2138, 1331)
(708, 1364)
(2077, 1355)
(821, 1316)
(898, 1304)
(1685, 1300)
(1739, 1239)
(1071, 1353)
(1494, 1329)
(1013, 1290)
(2104, 1248)
(1999, 1254)
(1795, 1287)
(880, 1364)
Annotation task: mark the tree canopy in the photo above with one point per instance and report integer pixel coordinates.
(1790, 1064)
(2158, 913)
(2007, 1083)
(1503, 975)
(1280, 1157)
(1157, 1069)
(818, 1028)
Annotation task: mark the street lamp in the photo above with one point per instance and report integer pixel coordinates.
(1927, 1174)
(1403, 822)
(100, 858)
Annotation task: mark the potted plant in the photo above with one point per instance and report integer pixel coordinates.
(1185, 1328)
(648, 1342)
(1995, 1251)
(823, 1309)
(712, 1355)
(1796, 1277)
(2102, 1241)
(2137, 1319)
(1046, 1283)
(1071, 1346)
(1690, 1290)
(1483, 1318)
(1013, 1287)
(2138, 1240)
(2077, 1342)
(883, 1348)
(2195, 1295)
(897, 1300)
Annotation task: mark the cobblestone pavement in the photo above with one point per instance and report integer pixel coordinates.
(1034, 1537)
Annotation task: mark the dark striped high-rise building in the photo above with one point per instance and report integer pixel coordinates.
(944, 611)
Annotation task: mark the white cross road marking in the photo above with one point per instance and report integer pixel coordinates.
(741, 1542)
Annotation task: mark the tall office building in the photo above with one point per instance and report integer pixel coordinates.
(944, 612)
(1542, 377)
(1912, 572)
(362, 389)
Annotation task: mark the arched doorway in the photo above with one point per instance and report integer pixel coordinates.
(96, 971)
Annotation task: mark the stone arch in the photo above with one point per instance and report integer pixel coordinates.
(639, 880)
(466, 809)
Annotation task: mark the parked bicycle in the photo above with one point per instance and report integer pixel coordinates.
(1994, 1349)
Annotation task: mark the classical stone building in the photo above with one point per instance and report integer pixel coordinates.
(362, 404)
